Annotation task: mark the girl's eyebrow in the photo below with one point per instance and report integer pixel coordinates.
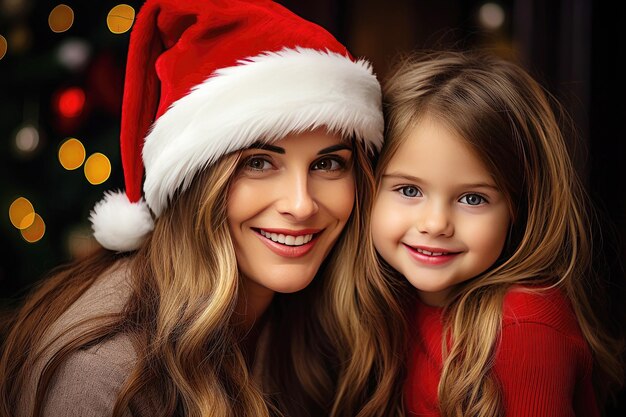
(402, 176)
(410, 178)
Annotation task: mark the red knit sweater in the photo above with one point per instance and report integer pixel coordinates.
(543, 363)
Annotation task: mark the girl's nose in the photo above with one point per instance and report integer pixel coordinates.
(435, 220)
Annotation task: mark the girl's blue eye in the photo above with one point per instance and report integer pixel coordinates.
(409, 191)
(473, 199)
(329, 164)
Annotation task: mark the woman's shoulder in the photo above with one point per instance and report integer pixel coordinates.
(86, 383)
(89, 380)
(89, 373)
(110, 290)
(108, 295)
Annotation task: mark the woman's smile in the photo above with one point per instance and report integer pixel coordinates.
(289, 243)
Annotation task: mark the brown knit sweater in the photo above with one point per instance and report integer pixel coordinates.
(88, 382)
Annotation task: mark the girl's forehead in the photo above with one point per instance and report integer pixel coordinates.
(431, 150)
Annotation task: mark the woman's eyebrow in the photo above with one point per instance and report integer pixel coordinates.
(278, 149)
(335, 148)
(267, 147)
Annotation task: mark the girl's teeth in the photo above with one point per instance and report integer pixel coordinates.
(288, 240)
(428, 253)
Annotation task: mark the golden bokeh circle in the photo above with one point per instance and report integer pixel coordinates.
(61, 18)
(35, 231)
(3, 46)
(72, 154)
(97, 168)
(21, 213)
(120, 19)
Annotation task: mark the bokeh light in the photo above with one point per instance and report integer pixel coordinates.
(20, 38)
(491, 15)
(27, 139)
(80, 242)
(120, 19)
(61, 18)
(97, 168)
(72, 154)
(13, 8)
(3, 46)
(35, 231)
(70, 102)
(21, 213)
(73, 54)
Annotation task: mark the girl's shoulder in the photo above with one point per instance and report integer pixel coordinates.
(542, 357)
(539, 306)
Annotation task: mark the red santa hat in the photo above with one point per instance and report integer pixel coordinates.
(205, 78)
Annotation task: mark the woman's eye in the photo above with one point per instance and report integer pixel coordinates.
(473, 199)
(409, 191)
(329, 164)
(256, 163)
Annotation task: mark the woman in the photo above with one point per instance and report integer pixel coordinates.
(232, 290)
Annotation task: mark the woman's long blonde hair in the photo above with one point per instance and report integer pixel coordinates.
(509, 120)
(331, 349)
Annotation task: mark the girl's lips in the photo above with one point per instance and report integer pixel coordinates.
(431, 256)
(289, 251)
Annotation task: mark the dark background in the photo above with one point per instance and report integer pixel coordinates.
(572, 47)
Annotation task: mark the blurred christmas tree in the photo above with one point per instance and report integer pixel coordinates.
(61, 80)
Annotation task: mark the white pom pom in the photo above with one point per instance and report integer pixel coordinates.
(120, 225)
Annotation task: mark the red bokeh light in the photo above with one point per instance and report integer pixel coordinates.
(70, 102)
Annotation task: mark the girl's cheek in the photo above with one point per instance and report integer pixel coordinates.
(384, 222)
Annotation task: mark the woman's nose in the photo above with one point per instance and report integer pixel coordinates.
(296, 199)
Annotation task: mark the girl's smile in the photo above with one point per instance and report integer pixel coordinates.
(431, 256)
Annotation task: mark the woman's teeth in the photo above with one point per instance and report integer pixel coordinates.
(288, 240)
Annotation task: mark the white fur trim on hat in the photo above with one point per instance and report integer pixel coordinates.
(120, 225)
(264, 98)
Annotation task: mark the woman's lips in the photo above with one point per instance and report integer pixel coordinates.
(288, 243)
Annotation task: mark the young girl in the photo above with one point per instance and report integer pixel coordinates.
(479, 208)
(232, 288)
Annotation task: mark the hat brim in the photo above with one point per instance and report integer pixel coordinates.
(264, 98)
